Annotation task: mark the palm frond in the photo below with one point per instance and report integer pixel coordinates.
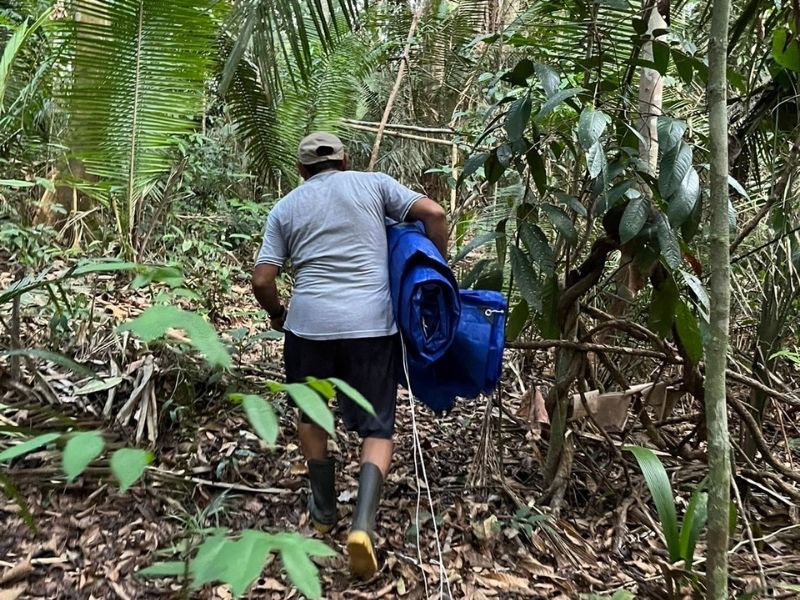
(138, 72)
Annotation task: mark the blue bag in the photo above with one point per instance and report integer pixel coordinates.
(454, 339)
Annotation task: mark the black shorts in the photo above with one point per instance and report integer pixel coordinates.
(370, 365)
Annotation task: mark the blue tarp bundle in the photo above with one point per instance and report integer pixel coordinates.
(454, 339)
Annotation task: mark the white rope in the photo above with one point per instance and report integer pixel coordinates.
(419, 459)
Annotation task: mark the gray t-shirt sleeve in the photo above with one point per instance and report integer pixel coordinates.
(273, 247)
(397, 198)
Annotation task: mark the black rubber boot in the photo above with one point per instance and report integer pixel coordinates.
(360, 546)
(322, 499)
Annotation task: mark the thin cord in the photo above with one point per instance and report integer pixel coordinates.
(418, 455)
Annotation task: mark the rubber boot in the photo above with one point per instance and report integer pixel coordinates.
(360, 545)
(322, 499)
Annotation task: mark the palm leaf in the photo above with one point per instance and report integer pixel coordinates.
(138, 78)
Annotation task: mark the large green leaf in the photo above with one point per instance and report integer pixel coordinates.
(688, 331)
(211, 560)
(128, 464)
(261, 417)
(12, 48)
(244, 560)
(548, 78)
(311, 404)
(537, 169)
(156, 320)
(683, 201)
(561, 222)
(595, 159)
(517, 118)
(473, 163)
(674, 166)
(591, 125)
(28, 446)
(352, 393)
(479, 241)
(786, 52)
(81, 449)
(668, 242)
(661, 314)
(670, 133)
(517, 320)
(538, 247)
(634, 218)
(138, 73)
(660, 489)
(694, 519)
(556, 100)
(302, 572)
(526, 278)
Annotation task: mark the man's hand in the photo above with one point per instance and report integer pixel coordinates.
(433, 217)
(266, 292)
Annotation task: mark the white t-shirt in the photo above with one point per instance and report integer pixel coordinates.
(332, 228)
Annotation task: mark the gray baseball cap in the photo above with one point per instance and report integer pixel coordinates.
(319, 147)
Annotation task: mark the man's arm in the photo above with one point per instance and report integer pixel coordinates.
(433, 217)
(266, 292)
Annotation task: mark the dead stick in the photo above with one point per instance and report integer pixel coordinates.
(218, 484)
(591, 347)
(401, 70)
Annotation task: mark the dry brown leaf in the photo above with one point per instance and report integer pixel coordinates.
(506, 581)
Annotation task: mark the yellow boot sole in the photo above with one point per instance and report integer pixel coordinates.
(363, 562)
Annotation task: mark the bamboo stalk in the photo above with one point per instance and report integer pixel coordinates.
(415, 128)
(398, 134)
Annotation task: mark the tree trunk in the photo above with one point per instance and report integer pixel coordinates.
(717, 346)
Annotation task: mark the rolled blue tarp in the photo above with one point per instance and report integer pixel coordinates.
(454, 339)
(424, 293)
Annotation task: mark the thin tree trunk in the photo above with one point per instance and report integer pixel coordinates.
(651, 91)
(401, 71)
(717, 347)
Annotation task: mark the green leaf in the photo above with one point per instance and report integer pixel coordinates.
(670, 133)
(98, 385)
(128, 464)
(683, 201)
(520, 73)
(699, 291)
(473, 163)
(527, 281)
(53, 357)
(493, 168)
(479, 241)
(16, 183)
(661, 314)
(591, 125)
(311, 404)
(517, 320)
(561, 221)
(517, 118)
(688, 331)
(673, 168)
(661, 53)
(786, 53)
(104, 267)
(573, 203)
(29, 446)
(302, 572)
(661, 491)
(548, 77)
(668, 242)
(471, 277)
(693, 522)
(211, 560)
(81, 449)
(738, 187)
(244, 560)
(612, 196)
(537, 168)
(634, 218)
(538, 247)
(555, 100)
(261, 417)
(163, 569)
(352, 393)
(595, 160)
(322, 386)
(156, 320)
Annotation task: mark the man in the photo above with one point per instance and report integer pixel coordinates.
(340, 322)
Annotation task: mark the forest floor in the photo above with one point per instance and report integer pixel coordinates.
(211, 471)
